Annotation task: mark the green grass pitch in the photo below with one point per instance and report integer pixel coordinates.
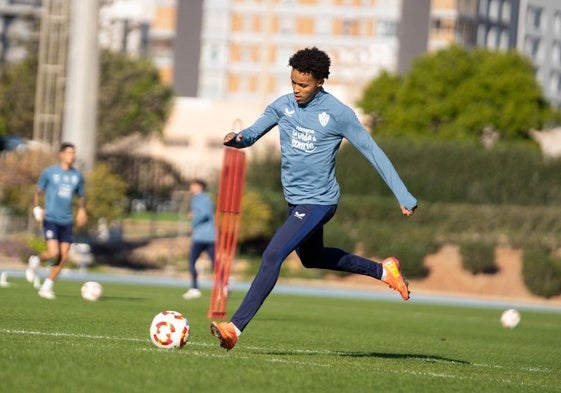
(295, 344)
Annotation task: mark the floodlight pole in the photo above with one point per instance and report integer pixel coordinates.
(80, 111)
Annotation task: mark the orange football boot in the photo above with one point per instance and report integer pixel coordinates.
(394, 279)
(226, 334)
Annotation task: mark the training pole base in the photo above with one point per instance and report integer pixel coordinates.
(216, 314)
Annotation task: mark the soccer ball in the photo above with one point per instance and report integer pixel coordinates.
(510, 318)
(92, 291)
(170, 329)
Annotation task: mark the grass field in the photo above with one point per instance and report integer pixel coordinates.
(295, 344)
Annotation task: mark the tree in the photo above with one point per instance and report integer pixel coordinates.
(131, 97)
(106, 195)
(456, 94)
(17, 97)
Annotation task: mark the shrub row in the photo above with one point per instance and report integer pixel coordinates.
(443, 171)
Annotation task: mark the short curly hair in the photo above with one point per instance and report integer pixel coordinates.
(311, 61)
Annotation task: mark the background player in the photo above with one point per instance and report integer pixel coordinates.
(60, 183)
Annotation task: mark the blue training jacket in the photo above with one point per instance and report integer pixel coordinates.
(310, 136)
(202, 220)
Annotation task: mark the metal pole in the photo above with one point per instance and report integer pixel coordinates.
(80, 115)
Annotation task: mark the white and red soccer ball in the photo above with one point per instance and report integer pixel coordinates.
(91, 291)
(170, 329)
(510, 318)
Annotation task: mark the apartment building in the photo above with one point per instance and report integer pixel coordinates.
(532, 27)
(539, 37)
(18, 27)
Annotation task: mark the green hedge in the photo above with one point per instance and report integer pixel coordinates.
(542, 271)
(442, 171)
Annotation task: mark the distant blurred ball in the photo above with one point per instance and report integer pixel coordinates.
(92, 291)
(510, 318)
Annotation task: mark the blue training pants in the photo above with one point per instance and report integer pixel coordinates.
(301, 232)
(197, 249)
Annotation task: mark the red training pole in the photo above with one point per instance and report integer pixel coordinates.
(227, 219)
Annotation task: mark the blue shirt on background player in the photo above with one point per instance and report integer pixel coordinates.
(60, 185)
(312, 124)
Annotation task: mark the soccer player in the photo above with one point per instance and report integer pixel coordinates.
(312, 123)
(60, 183)
(203, 233)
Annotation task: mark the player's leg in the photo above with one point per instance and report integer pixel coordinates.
(50, 233)
(53, 253)
(302, 220)
(211, 251)
(60, 238)
(314, 255)
(331, 258)
(194, 254)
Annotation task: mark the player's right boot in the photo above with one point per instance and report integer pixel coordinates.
(47, 293)
(32, 264)
(226, 334)
(393, 278)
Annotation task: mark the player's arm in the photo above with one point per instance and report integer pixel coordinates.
(408, 212)
(363, 141)
(250, 135)
(38, 212)
(81, 214)
(232, 138)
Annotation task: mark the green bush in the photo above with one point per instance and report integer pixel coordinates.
(478, 256)
(452, 172)
(541, 271)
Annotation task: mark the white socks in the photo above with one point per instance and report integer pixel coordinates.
(47, 284)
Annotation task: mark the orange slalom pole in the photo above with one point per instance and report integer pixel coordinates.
(227, 217)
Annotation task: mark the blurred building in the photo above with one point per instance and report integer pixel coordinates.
(141, 28)
(532, 27)
(18, 28)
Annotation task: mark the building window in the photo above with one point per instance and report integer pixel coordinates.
(505, 12)
(503, 41)
(555, 83)
(483, 5)
(556, 53)
(494, 6)
(533, 48)
(534, 18)
(286, 25)
(386, 29)
(481, 35)
(492, 36)
(557, 23)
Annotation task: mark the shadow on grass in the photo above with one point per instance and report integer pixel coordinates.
(379, 355)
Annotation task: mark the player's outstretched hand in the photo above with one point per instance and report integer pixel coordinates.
(408, 212)
(231, 138)
(81, 217)
(38, 213)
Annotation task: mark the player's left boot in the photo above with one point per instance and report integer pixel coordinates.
(226, 334)
(393, 277)
(192, 293)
